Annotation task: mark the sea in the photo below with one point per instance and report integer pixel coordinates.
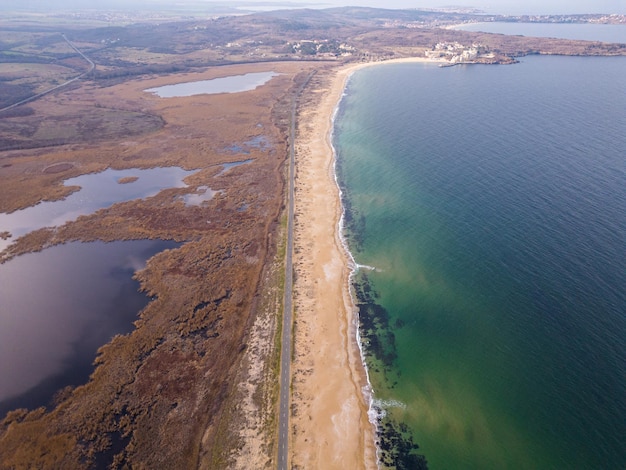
(485, 207)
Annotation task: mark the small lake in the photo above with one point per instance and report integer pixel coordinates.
(232, 84)
(587, 32)
(98, 190)
(58, 307)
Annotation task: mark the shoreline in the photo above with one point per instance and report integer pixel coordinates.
(332, 399)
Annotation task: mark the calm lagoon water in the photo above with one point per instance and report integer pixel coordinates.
(233, 84)
(587, 32)
(200, 196)
(492, 202)
(58, 307)
(97, 190)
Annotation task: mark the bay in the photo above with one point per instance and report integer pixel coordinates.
(491, 201)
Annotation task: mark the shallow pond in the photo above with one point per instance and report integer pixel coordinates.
(58, 307)
(232, 84)
(98, 190)
(201, 195)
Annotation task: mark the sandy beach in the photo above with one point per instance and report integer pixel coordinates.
(330, 425)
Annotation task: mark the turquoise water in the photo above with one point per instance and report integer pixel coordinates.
(491, 201)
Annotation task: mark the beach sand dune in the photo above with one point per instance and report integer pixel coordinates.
(330, 423)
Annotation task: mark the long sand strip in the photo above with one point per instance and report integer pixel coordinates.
(330, 425)
(329, 413)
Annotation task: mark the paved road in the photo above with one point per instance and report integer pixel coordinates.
(39, 95)
(285, 359)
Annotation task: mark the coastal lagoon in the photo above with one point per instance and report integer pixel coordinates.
(232, 84)
(58, 307)
(94, 191)
(61, 304)
(489, 203)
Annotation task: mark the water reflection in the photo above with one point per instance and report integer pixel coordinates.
(228, 166)
(202, 194)
(58, 307)
(98, 190)
(257, 142)
(232, 84)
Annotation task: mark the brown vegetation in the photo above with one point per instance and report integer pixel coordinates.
(170, 394)
(157, 397)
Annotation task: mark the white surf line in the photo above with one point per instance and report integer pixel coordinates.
(368, 389)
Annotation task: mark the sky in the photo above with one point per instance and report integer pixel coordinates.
(508, 7)
(523, 6)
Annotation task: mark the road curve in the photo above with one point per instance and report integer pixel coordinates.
(286, 340)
